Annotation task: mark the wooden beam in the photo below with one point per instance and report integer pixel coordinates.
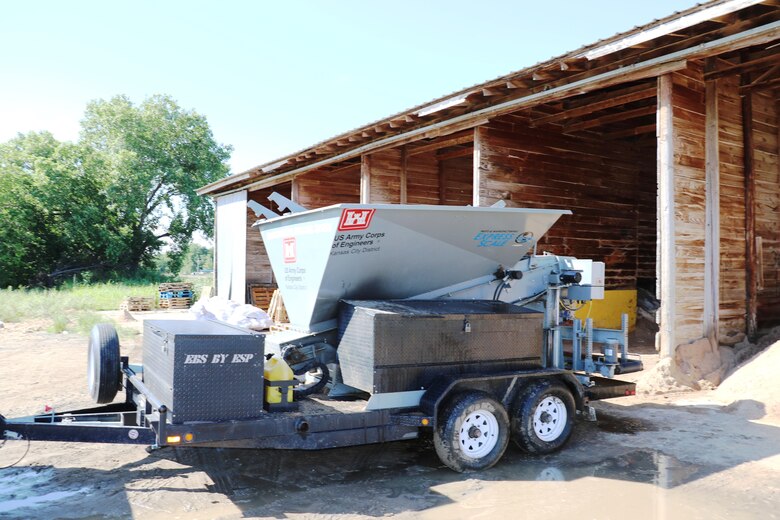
(489, 92)
(442, 184)
(610, 118)
(454, 154)
(751, 260)
(467, 136)
(631, 132)
(663, 29)
(365, 179)
(666, 215)
(712, 213)
(649, 92)
(404, 180)
(766, 85)
(477, 170)
(741, 68)
(517, 83)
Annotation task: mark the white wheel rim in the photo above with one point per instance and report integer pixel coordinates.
(478, 434)
(550, 418)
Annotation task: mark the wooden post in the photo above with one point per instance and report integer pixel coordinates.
(477, 182)
(712, 214)
(365, 179)
(751, 258)
(404, 178)
(294, 187)
(442, 184)
(668, 267)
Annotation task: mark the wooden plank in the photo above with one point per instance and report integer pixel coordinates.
(631, 132)
(751, 260)
(477, 182)
(365, 179)
(666, 217)
(404, 175)
(712, 224)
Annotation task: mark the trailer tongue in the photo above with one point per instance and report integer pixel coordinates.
(425, 316)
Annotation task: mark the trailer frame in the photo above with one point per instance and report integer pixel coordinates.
(143, 419)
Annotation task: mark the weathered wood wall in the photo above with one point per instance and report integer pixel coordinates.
(732, 207)
(422, 174)
(428, 179)
(688, 112)
(457, 176)
(324, 188)
(598, 180)
(766, 134)
(383, 169)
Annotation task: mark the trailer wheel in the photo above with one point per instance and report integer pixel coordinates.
(472, 432)
(104, 375)
(543, 417)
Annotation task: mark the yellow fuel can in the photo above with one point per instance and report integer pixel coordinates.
(279, 382)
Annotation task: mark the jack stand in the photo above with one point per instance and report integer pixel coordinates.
(589, 413)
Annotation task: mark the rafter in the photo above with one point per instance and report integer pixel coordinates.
(611, 118)
(649, 92)
(742, 67)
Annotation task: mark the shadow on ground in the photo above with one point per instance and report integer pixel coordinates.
(379, 480)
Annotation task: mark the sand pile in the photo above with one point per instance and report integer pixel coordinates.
(755, 382)
(700, 365)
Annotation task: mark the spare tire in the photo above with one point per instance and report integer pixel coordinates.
(104, 371)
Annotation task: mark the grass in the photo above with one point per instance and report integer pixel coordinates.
(74, 308)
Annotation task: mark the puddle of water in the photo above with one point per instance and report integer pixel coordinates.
(26, 488)
(626, 425)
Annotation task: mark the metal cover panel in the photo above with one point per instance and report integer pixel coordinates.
(389, 251)
(204, 371)
(390, 346)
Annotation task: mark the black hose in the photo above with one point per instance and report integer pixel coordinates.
(498, 290)
(313, 388)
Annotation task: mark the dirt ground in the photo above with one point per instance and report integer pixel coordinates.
(687, 455)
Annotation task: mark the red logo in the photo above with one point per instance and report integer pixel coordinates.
(355, 219)
(288, 250)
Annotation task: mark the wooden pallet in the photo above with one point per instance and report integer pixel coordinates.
(175, 303)
(136, 304)
(276, 309)
(175, 286)
(260, 295)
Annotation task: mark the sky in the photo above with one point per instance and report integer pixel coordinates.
(273, 78)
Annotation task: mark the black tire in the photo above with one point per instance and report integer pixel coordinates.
(472, 432)
(543, 417)
(104, 371)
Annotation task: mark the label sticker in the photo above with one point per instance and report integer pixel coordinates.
(288, 250)
(355, 219)
(494, 237)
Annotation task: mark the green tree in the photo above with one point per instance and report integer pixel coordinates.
(156, 155)
(109, 202)
(198, 258)
(52, 210)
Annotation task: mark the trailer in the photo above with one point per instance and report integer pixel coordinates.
(402, 319)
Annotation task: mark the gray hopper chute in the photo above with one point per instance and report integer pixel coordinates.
(388, 251)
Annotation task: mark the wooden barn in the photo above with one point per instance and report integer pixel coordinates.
(662, 140)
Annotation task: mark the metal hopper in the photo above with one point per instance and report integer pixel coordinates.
(383, 251)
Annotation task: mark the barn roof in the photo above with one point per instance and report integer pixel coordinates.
(713, 28)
